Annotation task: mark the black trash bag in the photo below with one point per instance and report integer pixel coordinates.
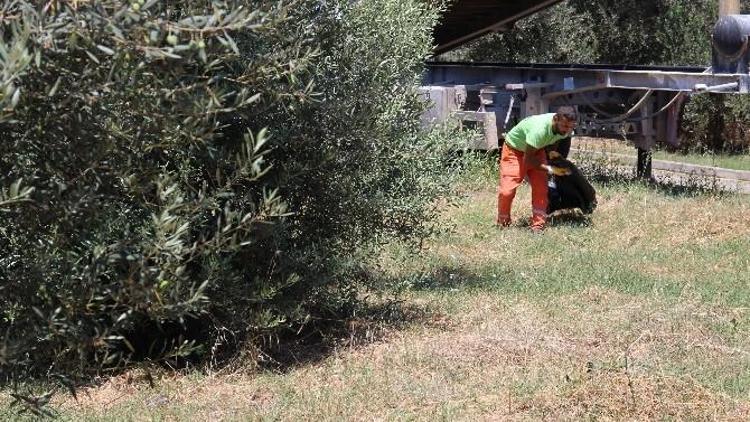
(572, 191)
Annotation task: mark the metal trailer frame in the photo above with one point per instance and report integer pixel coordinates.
(495, 94)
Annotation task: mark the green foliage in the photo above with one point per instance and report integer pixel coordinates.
(703, 128)
(559, 34)
(667, 32)
(663, 32)
(683, 32)
(224, 162)
(717, 123)
(140, 208)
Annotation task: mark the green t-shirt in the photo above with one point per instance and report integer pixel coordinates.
(532, 132)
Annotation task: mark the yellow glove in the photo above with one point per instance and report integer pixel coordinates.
(554, 155)
(558, 171)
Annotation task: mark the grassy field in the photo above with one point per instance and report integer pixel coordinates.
(733, 162)
(643, 312)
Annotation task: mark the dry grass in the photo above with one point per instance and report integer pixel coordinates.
(640, 315)
(597, 354)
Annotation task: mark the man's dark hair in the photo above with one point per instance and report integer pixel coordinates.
(568, 112)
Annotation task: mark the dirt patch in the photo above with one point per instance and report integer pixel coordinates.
(220, 395)
(704, 221)
(622, 395)
(111, 393)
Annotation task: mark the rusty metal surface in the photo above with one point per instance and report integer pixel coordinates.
(466, 20)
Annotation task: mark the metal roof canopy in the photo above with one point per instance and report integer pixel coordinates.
(466, 20)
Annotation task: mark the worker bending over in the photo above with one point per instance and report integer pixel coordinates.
(523, 156)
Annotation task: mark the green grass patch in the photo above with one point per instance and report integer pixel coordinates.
(732, 162)
(738, 161)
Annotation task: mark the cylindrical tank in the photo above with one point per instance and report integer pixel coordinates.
(730, 44)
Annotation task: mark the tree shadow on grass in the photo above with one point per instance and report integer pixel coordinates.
(445, 278)
(305, 344)
(370, 322)
(320, 338)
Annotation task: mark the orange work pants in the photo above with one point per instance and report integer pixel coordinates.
(512, 173)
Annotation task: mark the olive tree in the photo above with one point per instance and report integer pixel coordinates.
(223, 163)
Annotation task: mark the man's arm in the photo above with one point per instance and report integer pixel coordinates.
(534, 143)
(531, 162)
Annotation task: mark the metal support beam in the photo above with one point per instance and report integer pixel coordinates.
(560, 81)
(487, 121)
(643, 170)
(660, 121)
(647, 140)
(599, 91)
(534, 103)
(673, 120)
(729, 7)
(675, 81)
